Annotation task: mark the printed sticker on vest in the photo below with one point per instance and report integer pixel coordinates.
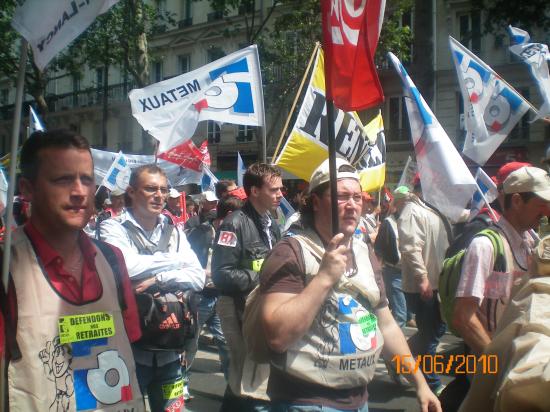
(77, 328)
(227, 239)
(172, 390)
(363, 333)
(257, 265)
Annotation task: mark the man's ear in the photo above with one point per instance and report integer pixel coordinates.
(315, 202)
(26, 188)
(254, 191)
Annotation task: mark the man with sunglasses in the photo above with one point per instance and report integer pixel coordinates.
(324, 310)
(157, 253)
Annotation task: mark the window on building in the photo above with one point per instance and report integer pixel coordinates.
(99, 78)
(245, 133)
(461, 129)
(521, 130)
(76, 89)
(157, 72)
(214, 53)
(4, 96)
(184, 63)
(213, 132)
(398, 127)
(469, 26)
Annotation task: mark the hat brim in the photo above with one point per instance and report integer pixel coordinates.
(544, 195)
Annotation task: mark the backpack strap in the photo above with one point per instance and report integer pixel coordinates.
(498, 248)
(137, 238)
(113, 261)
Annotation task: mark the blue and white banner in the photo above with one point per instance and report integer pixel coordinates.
(486, 193)
(228, 90)
(177, 175)
(446, 181)
(241, 168)
(536, 55)
(208, 181)
(118, 175)
(491, 106)
(49, 26)
(35, 124)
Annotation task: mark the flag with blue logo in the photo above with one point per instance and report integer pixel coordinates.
(536, 55)
(228, 90)
(35, 124)
(446, 181)
(208, 181)
(491, 106)
(486, 193)
(241, 168)
(118, 175)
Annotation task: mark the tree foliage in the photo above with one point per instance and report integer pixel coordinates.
(526, 14)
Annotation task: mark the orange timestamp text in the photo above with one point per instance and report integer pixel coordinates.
(439, 364)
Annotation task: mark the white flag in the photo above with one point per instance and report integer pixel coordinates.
(35, 124)
(118, 175)
(491, 106)
(446, 181)
(49, 26)
(241, 168)
(209, 180)
(3, 190)
(228, 90)
(487, 192)
(536, 56)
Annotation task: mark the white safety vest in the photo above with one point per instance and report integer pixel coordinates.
(74, 357)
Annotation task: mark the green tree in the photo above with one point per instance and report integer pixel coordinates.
(498, 14)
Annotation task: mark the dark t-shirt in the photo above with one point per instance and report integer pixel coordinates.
(283, 272)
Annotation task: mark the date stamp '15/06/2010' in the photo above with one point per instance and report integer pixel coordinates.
(453, 365)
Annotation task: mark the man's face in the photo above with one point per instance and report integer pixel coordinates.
(173, 203)
(63, 191)
(529, 214)
(207, 206)
(269, 195)
(149, 194)
(350, 204)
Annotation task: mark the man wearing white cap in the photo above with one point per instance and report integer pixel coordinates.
(483, 292)
(324, 310)
(173, 207)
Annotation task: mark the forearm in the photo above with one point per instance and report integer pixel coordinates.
(234, 281)
(287, 317)
(473, 333)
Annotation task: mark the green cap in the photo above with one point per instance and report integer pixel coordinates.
(401, 192)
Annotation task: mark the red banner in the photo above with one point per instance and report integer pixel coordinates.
(350, 35)
(188, 155)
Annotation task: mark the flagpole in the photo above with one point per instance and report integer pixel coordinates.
(332, 166)
(295, 102)
(11, 190)
(264, 126)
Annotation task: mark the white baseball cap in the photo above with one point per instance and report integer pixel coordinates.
(528, 179)
(209, 196)
(173, 193)
(322, 174)
(117, 192)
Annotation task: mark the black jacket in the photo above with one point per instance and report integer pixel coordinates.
(239, 247)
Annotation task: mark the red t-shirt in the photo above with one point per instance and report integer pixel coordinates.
(90, 288)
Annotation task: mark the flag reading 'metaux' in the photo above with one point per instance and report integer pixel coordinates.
(49, 26)
(350, 36)
(227, 90)
(446, 181)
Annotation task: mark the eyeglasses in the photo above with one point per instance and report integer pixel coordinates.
(345, 197)
(154, 189)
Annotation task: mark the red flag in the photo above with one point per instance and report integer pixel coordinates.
(188, 155)
(350, 35)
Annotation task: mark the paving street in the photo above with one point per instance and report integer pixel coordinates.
(208, 385)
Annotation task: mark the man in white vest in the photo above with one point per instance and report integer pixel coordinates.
(324, 310)
(70, 313)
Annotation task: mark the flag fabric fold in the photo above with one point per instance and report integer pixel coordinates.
(491, 106)
(209, 180)
(446, 182)
(350, 35)
(306, 147)
(227, 90)
(35, 124)
(188, 155)
(118, 175)
(487, 192)
(241, 168)
(536, 56)
(49, 26)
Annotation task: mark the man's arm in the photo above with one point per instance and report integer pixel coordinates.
(227, 272)
(395, 344)
(286, 317)
(466, 322)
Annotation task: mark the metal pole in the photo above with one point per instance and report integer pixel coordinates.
(264, 126)
(332, 166)
(11, 191)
